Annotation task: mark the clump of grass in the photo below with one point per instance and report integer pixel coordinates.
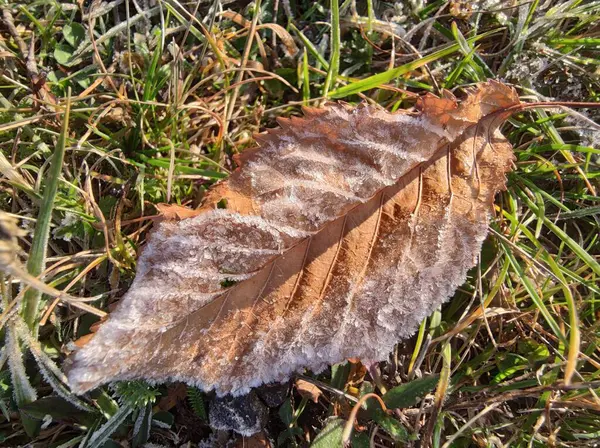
(163, 96)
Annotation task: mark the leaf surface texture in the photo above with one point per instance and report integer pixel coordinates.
(341, 232)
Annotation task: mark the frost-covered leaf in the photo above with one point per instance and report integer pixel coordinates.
(141, 428)
(245, 415)
(273, 395)
(23, 392)
(340, 233)
(101, 434)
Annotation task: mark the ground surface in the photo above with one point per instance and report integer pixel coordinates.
(162, 95)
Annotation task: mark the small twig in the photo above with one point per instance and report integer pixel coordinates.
(30, 63)
(421, 356)
(373, 369)
(12, 29)
(107, 77)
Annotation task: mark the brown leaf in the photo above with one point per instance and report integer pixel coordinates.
(96, 325)
(175, 393)
(308, 390)
(341, 233)
(83, 340)
(176, 212)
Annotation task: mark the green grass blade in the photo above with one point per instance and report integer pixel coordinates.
(574, 333)
(101, 435)
(310, 47)
(23, 392)
(532, 291)
(581, 213)
(375, 81)
(466, 50)
(590, 42)
(305, 78)
(454, 75)
(37, 254)
(583, 255)
(334, 60)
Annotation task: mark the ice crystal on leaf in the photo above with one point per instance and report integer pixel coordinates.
(342, 231)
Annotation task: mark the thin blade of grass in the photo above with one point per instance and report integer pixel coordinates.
(37, 254)
(574, 333)
(310, 47)
(305, 78)
(585, 256)
(375, 81)
(334, 60)
(532, 291)
(23, 392)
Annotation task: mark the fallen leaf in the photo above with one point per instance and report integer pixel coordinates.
(83, 340)
(340, 234)
(175, 393)
(308, 390)
(177, 212)
(96, 325)
(246, 415)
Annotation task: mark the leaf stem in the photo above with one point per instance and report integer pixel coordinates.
(352, 417)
